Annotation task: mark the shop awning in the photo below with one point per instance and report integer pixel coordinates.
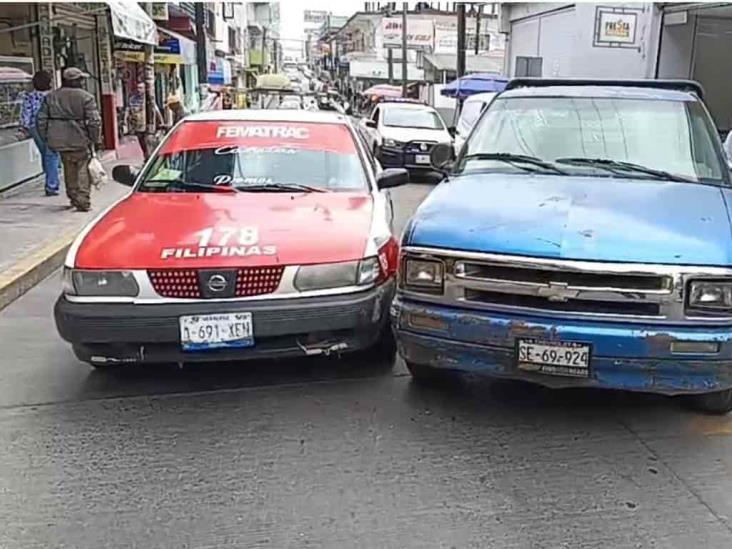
(474, 63)
(130, 21)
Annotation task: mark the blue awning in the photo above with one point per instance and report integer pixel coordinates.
(474, 83)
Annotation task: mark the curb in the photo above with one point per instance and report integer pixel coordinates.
(32, 269)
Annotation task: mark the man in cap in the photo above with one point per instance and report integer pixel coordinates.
(69, 123)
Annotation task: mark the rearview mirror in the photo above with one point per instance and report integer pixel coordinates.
(392, 177)
(441, 156)
(370, 124)
(125, 174)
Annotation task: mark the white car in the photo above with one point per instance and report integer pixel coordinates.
(402, 134)
(473, 107)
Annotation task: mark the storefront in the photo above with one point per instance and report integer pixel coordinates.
(174, 67)
(19, 157)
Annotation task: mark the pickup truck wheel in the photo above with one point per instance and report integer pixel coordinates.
(718, 403)
(427, 375)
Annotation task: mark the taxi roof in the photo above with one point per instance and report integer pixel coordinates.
(599, 91)
(270, 115)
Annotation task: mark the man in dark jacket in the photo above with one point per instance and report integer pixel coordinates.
(69, 123)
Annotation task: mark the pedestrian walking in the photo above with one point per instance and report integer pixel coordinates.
(32, 102)
(69, 123)
(176, 108)
(136, 121)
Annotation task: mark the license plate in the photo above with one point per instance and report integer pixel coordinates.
(422, 159)
(559, 358)
(203, 332)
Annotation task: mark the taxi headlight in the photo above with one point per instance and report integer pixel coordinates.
(388, 142)
(337, 275)
(714, 295)
(100, 283)
(422, 275)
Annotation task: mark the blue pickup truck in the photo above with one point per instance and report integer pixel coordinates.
(581, 238)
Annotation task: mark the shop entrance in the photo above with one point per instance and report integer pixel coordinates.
(695, 43)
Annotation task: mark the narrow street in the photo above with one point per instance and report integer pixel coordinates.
(339, 453)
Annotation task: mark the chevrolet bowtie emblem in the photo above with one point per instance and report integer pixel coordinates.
(557, 291)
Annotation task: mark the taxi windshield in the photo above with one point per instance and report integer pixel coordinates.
(401, 117)
(256, 156)
(598, 136)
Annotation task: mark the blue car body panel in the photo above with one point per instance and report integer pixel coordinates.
(584, 218)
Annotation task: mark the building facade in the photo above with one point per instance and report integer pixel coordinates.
(625, 40)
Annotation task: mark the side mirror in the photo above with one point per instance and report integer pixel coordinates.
(125, 174)
(370, 124)
(452, 130)
(392, 177)
(441, 156)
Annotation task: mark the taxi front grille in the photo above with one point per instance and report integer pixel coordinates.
(189, 283)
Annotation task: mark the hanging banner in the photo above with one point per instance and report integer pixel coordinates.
(420, 32)
(167, 52)
(129, 21)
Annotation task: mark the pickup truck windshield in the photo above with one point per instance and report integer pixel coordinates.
(412, 118)
(609, 137)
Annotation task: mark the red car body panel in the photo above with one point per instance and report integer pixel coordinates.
(167, 230)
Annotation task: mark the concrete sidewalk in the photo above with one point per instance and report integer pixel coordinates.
(38, 230)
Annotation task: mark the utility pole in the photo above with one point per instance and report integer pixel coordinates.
(264, 48)
(274, 51)
(404, 49)
(150, 121)
(390, 61)
(201, 45)
(479, 13)
(460, 39)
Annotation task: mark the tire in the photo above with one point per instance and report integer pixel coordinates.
(718, 403)
(427, 375)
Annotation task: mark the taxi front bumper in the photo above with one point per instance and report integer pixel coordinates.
(110, 333)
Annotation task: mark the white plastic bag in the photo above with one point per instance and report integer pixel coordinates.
(97, 175)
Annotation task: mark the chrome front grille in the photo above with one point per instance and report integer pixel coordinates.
(566, 288)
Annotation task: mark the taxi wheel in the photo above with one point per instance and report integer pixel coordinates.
(427, 375)
(718, 403)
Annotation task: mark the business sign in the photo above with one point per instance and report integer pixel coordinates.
(615, 27)
(315, 16)
(159, 11)
(420, 32)
(167, 52)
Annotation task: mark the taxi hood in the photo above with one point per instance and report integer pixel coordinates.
(583, 218)
(194, 230)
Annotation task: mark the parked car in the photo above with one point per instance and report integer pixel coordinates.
(584, 240)
(401, 134)
(472, 108)
(249, 234)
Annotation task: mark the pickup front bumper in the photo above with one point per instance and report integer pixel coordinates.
(109, 333)
(624, 356)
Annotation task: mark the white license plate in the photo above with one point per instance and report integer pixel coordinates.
(422, 158)
(559, 358)
(202, 332)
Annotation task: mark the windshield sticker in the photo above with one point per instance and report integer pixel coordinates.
(230, 136)
(222, 242)
(285, 132)
(238, 149)
(225, 179)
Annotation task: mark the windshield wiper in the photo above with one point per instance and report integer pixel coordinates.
(619, 166)
(183, 184)
(281, 187)
(516, 160)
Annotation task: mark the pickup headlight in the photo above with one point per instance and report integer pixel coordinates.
(100, 283)
(423, 275)
(337, 275)
(392, 143)
(713, 295)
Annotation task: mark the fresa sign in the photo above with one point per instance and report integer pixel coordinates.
(420, 32)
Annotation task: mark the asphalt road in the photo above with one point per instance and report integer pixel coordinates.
(339, 453)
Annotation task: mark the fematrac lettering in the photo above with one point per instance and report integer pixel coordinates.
(283, 132)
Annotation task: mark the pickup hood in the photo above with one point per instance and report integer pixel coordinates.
(415, 134)
(150, 230)
(584, 218)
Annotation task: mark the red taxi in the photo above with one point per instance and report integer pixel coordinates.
(248, 234)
